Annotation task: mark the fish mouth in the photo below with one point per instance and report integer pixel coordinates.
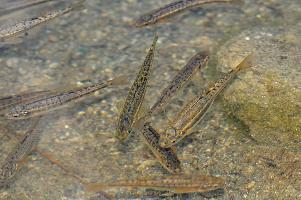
(144, 20)
(12, 116)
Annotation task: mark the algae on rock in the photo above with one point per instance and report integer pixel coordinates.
(267, 97)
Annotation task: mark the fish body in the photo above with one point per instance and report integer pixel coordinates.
(18, 154)
(37, 106)
(171, 9)
(197, 62)
(135, 96)
(12, 100)
(26, 25)
(166, 156)
(176, 183)
(193, 112)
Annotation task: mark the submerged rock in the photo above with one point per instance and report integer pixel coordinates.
(267, 97)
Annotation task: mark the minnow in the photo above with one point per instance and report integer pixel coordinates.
(12, 8)
(38, 106)
(135, 96)
(197, 62)
(12, 100)
(18, 154)
(193, 112)
(166, 156)
(176, 184)
(171, 9)
(25, 25)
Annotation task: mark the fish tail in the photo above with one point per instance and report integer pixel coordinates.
(94, 187)
(154, 41)
(245, 63)
(238, 2)
(121, 80)
(77, 5)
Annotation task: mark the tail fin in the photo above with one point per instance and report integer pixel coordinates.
(154, 41)
(121, 80)
(95, 187)
(77, 5)
(246, 62)
(238, 2)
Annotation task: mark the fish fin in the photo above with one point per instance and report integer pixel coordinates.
(17, 39)
(143, 110)
(119, 105)
(22, 162)
(121, 80)
(78, 5)
(169, 121)
(246, 62)
(237, 2)
(94, 187)
(139, 124)
(167, 194)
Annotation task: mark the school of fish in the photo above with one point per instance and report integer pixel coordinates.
(131, 119)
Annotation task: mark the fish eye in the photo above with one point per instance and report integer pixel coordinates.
(15, 115)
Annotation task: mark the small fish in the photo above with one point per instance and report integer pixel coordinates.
(176, 184)
(166, 156)
(38, 106)
(18, 154)
(15, 6)
(135, 96)
(12, 100)
(25, 25)
(193, 112)
(197, 62)
(171, 9)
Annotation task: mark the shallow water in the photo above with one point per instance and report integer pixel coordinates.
(99, 43)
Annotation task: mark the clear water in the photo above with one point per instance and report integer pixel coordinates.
(99, 42)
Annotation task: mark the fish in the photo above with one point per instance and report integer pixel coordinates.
(193, 112)
(166, 156)
(15, 6)
(39, 106)
(170, 9)
(197, 62)
(14, 159)
(135, 96)
(25, 25)
(176, 183)
(12, 100)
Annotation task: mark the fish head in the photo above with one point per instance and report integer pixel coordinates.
(123, 132)
(201, 59)
(8, 170)
(145, 20)
(16, 113)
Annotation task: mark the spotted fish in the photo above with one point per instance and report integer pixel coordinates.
(193, 112)
(197, 62)
(176, 183)
(25, 25)
(18, 154)
(135, 96)
(40, 105)
(171, 9)
(166, 156)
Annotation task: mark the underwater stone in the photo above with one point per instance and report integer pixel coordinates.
(267, 97)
